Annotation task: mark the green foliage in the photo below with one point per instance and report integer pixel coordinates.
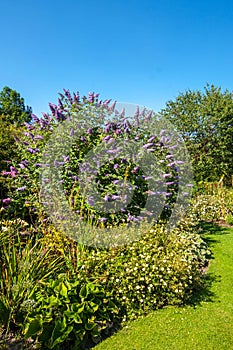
(13, 114)
(205, 120)
(24, 261)
(157, 270)
(26, 187)
(214, 206)
(12, 107)
(69, 312)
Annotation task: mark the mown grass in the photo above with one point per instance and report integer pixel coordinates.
(206, 323)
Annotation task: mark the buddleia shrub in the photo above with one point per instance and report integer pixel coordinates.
(25, 199)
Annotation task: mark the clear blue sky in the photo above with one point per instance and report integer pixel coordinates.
(144, 52)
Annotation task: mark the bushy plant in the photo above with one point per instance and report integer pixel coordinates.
(25, 199)
(24, 260)
(70, 313)
(214, 206)
(157, 270)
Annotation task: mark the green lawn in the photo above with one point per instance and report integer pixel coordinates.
(205, 324)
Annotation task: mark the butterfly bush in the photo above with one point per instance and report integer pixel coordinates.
(25, 198)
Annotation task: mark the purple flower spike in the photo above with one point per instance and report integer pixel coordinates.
(13, 171)
(122, 114)
(106, 102)
(148, 116)
(107, 138)
(91, 97)
(60, 105)
(112, 107)
(166, 175)
(151, 139)
(66, 158)
(106, 198)
(136, 114)
(39, 137)
(67, 94)
(23, 188)
(53, 108)
(6, 200)
(143, 112)
(35, 118)
(147, 145)
(91, 201)
(135, 169)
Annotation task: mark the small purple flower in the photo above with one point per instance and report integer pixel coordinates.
(23, 188)
(91, 97)
(35, 118)
(53, 108)
(115, 197)
(102, 219)
(166, 175)
(106, 102)
(13, 171)
(135, 169)
(6, 200)
(169, 183)
(147, 145)
(169, 156)
(122, 114)
(106, 198)
(39, 137)
(108, 127)
(60, 105)
(66, 158)
(59, 115)
(24, 162)
(91, 201)
(148, 116)
(106, 138)
(89, 131)
(136, 114)
(116, 166)
(56, 163)
(151, 139)
(112, 107)
(76, 97)
(71, 132)
(33, 150)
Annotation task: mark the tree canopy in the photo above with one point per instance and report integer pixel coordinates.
(12, 107)
(13, 113)
(205, 120)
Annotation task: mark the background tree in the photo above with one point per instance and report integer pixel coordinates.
(205, 120)
(13, 113)
(12, 107)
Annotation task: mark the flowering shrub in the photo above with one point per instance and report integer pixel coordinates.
(217, 206)
(25, 198)
(157, 270)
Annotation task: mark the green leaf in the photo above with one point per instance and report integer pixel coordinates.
(83, 292)
(4, 312)
(34, 328)
(60, 332)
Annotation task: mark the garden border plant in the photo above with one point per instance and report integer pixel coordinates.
(156, 270)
